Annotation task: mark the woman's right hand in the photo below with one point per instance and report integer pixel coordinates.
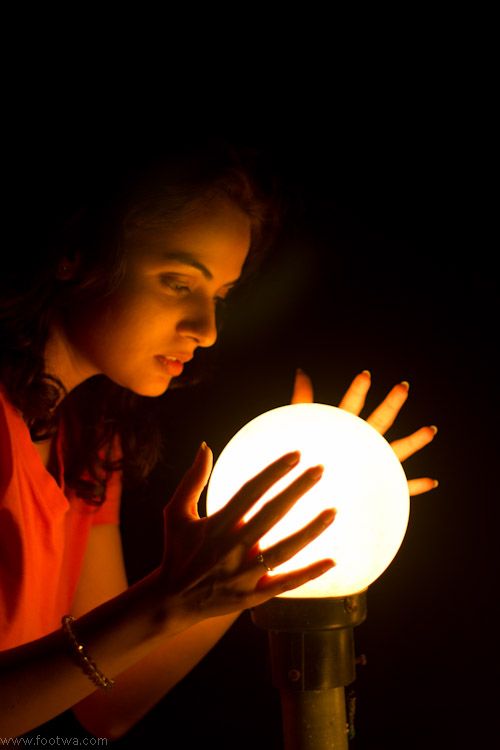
(210, 565)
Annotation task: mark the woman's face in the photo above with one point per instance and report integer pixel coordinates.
(144, 332)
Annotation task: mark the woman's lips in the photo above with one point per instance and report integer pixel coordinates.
(171, 365)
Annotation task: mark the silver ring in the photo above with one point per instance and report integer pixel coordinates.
(260, 559)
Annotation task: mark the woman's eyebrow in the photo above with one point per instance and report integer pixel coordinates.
(187, 259)
(181, 256)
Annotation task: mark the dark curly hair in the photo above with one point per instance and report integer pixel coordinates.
(153, 192)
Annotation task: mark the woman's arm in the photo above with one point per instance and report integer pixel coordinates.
(39, 680)
(141, 686)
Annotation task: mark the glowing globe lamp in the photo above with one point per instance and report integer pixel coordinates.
(363, 480)
(311, 628)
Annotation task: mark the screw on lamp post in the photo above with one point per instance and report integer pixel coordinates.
(311, 627)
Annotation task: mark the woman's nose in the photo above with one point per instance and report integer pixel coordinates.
(199, 323)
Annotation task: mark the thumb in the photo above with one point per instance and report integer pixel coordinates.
(187, 494)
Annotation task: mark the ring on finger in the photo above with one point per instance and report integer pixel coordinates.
(260, 559)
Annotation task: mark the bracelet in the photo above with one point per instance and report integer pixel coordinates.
(82, 658)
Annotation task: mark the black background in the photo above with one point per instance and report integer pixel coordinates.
(384, 263)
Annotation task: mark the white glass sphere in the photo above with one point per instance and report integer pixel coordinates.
(363, 479)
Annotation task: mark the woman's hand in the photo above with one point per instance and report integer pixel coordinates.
(382, 418)
(212, 566)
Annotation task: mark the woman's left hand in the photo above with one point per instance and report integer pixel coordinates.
(381, 418)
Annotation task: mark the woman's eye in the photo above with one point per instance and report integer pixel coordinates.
(175, 285)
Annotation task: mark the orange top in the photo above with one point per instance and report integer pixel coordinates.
(43, 534)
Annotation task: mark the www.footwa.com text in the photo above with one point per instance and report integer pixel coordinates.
(40, 741)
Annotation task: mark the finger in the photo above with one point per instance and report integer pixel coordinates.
(251, 491)
(303, 392)
(421, 485)
(409, 445)
(185, 499)
(278, 507)
(355, 396)
(287, 548)
(385, 414)
(270, 586)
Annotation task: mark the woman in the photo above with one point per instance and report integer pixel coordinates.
(109, 317)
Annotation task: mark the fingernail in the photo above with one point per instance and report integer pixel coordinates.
(328, 564)
(292, 459)
(433, 428)
(366, 372)
(317, 472)
(405, 384)
(435, 484)
(329, 516)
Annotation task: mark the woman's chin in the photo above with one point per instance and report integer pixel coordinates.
(151, 389)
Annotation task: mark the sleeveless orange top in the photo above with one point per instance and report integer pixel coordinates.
(44, 531)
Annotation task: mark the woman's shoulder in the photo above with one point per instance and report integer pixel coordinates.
(7, 407)
(15, 439)
(11, 419)
(5, 402)
(8, 424)
(7, 411)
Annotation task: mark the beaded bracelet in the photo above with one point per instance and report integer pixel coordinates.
(82, 658)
